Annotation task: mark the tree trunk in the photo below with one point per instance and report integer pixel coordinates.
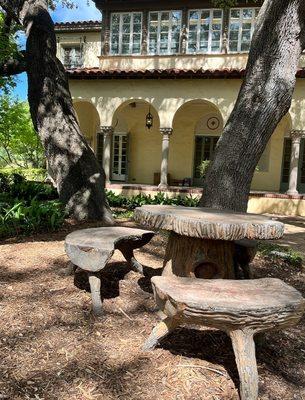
(264, 99)
(79, 179)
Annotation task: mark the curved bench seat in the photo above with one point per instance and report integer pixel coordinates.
(91, 250)
(240, 308)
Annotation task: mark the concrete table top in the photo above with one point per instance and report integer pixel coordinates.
(207, 223)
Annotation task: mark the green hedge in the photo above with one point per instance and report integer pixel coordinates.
(30, 174)
(130, 203)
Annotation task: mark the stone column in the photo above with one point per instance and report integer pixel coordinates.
(166, 132)
(294, 163)
(107, 131)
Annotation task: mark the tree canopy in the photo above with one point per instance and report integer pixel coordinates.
(8, 50)
(19, 144)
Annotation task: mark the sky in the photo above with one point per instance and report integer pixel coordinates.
(83, 12)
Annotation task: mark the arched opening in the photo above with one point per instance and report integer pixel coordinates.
(89, 122)
(197, 126)
(135, 148)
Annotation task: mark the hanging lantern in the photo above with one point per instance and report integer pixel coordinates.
(149, 120)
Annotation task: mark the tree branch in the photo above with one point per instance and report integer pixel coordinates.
(11, 8)
(13, 66)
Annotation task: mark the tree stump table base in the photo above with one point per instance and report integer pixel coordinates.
(91, 250)
(200, 258)
(239, 308)
(208, 243)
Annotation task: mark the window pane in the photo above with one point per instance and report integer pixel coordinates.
(247, 13)
(72, 57)
(233, 46)
(234, 26)
(233, 35)
(126, 18)
(153, 43)
(164, 32)
(137, 28)
(115, 19)
(242, 22)
(216, 36)
(235, 14)
(126, 28)
(115, 44)
(126, 33)
(217, 14)
(137, 19)
(206, 34)
(194, 16)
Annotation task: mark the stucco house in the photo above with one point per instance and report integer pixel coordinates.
(153, 85)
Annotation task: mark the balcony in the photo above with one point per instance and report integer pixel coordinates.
(174, 32)
(181, 39)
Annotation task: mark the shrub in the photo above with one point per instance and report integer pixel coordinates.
(130, 203)
(30, 174)
(203, 167)
(19, 188)
(27, 207)
(20, 217)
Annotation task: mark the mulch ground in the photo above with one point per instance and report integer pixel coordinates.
(52, 347)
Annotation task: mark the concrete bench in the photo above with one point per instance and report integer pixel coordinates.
(239, 308)
(91, 250)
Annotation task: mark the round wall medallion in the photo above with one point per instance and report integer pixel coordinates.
(213, 123)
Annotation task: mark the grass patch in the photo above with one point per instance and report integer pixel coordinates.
(122, 214)
(276, 251)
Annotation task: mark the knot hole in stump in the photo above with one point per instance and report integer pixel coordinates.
(208, 270)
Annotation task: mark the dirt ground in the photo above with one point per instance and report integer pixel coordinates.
(52, 347)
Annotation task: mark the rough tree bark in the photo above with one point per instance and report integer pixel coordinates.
(79, 179)
(264, 99)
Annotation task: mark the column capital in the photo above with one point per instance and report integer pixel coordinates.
(297, 135)
(107, 130)
(166, 131)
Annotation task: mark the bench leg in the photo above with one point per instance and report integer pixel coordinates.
(95, 287)
(244, 350)
(159, 332)
(130, 258)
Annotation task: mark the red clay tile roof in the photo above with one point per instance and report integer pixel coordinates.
(78, 25)
(96, 73)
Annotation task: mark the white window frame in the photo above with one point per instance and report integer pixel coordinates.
(210, 10)
(130, 34)
(119, 176)
(241, 20)
(72, 46)
(159, 12)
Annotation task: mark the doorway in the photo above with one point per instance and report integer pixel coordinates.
(286, 166)
(119, 157)
(204, 150)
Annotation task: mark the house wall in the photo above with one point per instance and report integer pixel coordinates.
(91, 42)
(168, 99)
(212, 62)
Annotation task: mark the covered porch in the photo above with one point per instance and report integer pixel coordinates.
(135, 149)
